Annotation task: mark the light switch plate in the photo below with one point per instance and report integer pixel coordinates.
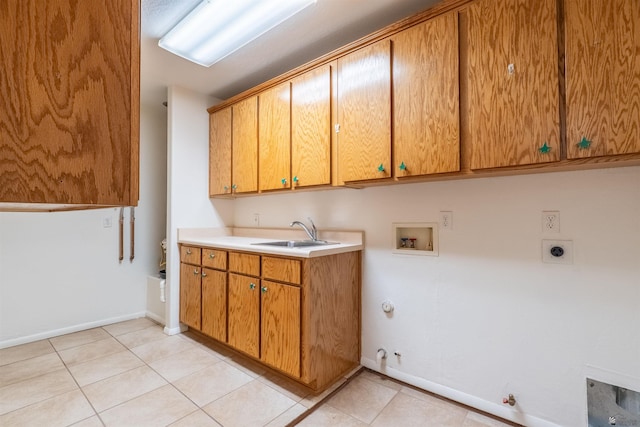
(557, 251)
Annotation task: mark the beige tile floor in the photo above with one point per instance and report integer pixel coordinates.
(132, 374)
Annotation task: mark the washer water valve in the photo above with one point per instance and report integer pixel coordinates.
(511, 400)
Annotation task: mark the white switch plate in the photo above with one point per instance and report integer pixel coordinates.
(107, 222)
(256, 220)
(550, 221)
(557, 251)
(446, 220)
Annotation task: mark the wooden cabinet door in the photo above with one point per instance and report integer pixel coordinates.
(364, 113)
(280, 331)
(69, 102)
(311, 128)
(214, 304)
(511, 76)
(244, 146)
(244, 314)
(190, 295)
(603, 77)
(425, 98)
(274, 137)
(220, 152)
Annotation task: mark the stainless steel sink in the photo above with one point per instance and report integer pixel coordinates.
(297, 243)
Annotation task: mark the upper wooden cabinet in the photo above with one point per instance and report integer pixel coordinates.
(364, 113)
(510, 72)
(69, 101)
(220, 152)
(311, 127)
(244, 146)
(603, 77)
(274, 137)
(425, 98)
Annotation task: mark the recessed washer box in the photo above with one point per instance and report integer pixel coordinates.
(415, 238)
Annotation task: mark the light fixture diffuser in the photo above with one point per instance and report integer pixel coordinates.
(217, 28)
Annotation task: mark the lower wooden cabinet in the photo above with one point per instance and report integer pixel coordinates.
(300, 316)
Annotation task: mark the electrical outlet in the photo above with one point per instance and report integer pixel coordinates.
(256, 220)
(550, 221)
(446, 220)
(557, 251)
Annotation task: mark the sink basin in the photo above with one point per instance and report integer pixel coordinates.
(297, 243)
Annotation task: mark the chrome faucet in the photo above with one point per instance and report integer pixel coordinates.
(313, 233)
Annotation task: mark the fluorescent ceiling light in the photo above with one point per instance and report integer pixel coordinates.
(217, 28)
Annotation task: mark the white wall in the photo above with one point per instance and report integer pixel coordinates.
(59, 272)
(188, 185)
(487, 317)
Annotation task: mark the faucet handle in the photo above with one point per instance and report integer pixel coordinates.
(313, 227)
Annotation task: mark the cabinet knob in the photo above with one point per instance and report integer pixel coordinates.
(544, 149)
(188, 251)
(195, 271)
(381, 168)
(584, 143)
(402, 167)
(264, 289)
(212, 255)
(295, 179)
(204, 274)
(284, 181)
(226, 188)
(234, 187)
(252, 286)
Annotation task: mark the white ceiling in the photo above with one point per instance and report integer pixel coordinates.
(319, 29)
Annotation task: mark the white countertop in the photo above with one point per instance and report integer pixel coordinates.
(243, 239)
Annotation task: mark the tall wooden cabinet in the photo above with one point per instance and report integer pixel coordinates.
(69, 101)
(220, 152)
(244, 146)
(510, 73)
(602, 77)
(426, 137)
(311, 127)
(364, 113)
(274, 137)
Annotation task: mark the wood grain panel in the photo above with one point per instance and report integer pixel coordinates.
(214, 304)
(190, 255)
(214, 258)
(274, 138)
(331, 317)
(281, 269)
(512, 114)
(190, 295)
(220, 152)
(603, 77)
(280, 329)
(69, 101)
(364, 113)
(311, 128)
(425, 98)
(244, 263)
(244, 314)
(244, 146)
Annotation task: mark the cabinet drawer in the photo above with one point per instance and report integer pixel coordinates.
(214, 258)
(244, 263)
(190, 255)
(280, 269)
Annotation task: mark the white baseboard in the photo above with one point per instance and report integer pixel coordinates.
(498, 410)
(175, 331)
(155, 318)
(69, 329)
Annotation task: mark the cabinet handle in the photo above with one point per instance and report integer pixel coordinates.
(252, 286)
(402, 167)
(544, 149)
(264, 289)
(584, 143)
(381, 168)
(212, 255)
(204, 274)
(188, 251)
(195, 271)
(284, 181)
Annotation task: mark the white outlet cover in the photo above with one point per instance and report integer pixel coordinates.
(550, 221)
(551, 250)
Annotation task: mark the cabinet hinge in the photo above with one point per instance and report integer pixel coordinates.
(337, 127)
